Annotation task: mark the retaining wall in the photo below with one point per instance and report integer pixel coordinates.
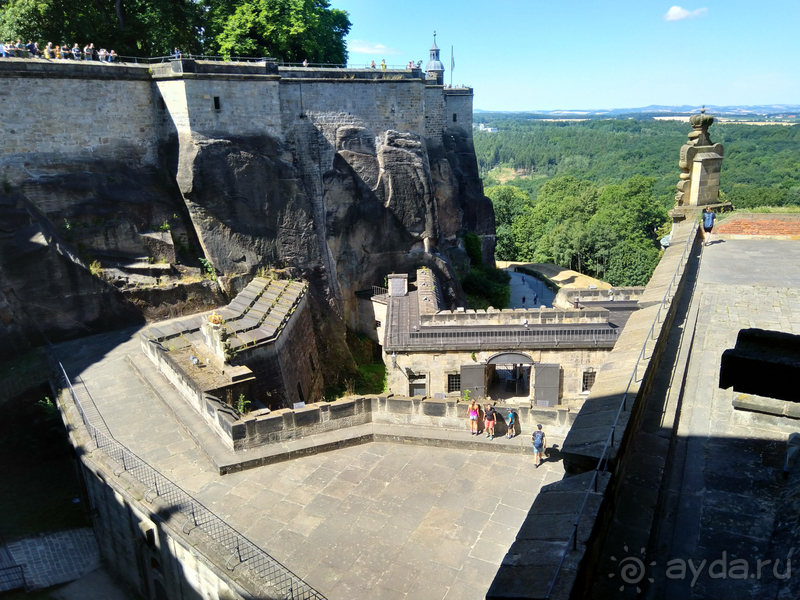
(148, 544)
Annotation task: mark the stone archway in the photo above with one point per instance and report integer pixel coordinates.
(509, 375)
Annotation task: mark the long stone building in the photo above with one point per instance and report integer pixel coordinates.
(545, 357)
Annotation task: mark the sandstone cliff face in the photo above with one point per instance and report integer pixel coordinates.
(45, 289)
(339, 202)
(344, 201)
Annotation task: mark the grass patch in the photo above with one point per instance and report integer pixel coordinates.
(37, 469)
(371, 378)
(370, 374)
(487, 286)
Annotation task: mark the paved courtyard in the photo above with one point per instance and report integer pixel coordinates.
(373, 521)
(54, 558)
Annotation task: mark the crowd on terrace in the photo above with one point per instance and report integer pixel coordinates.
(32, 50)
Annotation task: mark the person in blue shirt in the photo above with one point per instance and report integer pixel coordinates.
(708, 224)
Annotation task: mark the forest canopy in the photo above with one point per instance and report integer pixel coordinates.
(289, 30)
(593, 195)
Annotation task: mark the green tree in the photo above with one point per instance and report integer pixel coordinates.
(632, 262)
(509, 202)
(130, 27)
(560, 200)
(289, 30)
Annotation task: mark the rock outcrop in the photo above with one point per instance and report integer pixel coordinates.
(275, 175)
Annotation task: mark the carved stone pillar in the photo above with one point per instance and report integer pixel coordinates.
(701, 163)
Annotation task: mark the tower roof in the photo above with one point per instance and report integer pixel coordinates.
(434, 64)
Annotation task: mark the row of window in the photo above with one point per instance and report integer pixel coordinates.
(454, 382)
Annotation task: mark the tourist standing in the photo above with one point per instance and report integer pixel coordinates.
(539, 445)
(473, 411)
(489, 420)
(512, 423)
(383, 64)
(708, 224)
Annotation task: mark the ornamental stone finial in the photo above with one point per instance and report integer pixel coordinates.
(700, 162)
(700, 124)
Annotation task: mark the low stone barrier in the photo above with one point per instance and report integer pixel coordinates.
(267, 427)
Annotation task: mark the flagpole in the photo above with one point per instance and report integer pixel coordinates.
(451, 66)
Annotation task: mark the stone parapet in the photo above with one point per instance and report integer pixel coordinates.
(533, 560)
(71, 69)
(565, 297)
(351, 75)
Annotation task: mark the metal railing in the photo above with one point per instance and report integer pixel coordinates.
(602, 462)
(476, 338)
(12, 578)
(241, 549)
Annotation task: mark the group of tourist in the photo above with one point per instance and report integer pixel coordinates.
(411, 65)
(490, 418)
(32, 50)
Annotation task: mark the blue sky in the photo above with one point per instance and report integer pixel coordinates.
(573, 54)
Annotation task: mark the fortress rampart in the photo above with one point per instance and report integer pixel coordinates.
(64, 107)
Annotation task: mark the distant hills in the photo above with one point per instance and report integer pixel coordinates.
(666, 110)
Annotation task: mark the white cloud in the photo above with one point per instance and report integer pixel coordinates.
(364, 47)
(677, 13)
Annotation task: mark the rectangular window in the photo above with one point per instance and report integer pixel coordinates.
(588, 380)
(454, 383)
(455, 117)
(417, 387)
(377, 324)
(216, 103)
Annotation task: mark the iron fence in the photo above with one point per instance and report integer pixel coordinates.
(12, 578)
(241, 549)
(602, 462)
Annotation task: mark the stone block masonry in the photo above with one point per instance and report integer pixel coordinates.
(92, 110)
(123, 110)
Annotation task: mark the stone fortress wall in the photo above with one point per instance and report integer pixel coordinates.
(73, 109)
(64, 107)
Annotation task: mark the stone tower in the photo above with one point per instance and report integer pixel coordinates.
(435, 68)
(701, 163)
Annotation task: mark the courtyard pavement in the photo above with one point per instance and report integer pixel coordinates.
(54, 558)
(374, 521)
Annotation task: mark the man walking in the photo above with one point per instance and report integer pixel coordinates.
(708, 224)
(539, 444)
